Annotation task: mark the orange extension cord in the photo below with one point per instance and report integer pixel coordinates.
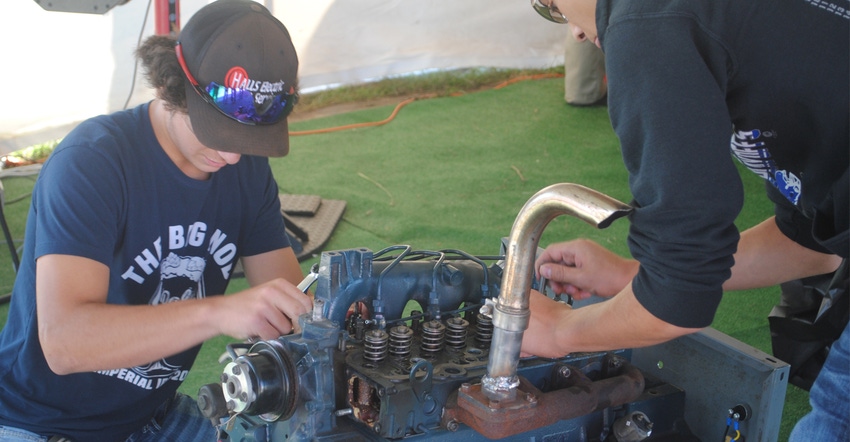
(411, 100)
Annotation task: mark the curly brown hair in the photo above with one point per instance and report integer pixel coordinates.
(163, 71)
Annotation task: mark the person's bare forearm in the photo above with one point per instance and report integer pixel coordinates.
(620, 322)
(767, 257)
(79, 331)
(99, 336)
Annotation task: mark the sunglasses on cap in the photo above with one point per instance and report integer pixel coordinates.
(549, 12)
(241, 104)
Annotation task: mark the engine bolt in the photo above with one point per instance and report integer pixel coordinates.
(615, 363)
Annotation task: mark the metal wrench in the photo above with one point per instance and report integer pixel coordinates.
(311, 277)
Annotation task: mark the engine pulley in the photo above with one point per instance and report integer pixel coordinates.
(261, 382)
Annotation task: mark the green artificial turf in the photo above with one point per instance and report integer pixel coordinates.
(453, 172)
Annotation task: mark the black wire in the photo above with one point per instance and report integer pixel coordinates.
(136, 64)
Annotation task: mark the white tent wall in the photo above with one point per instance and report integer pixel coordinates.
(59, 68)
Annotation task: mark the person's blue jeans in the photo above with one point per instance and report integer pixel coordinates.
(829, 419)
(10, 434)
(178, 420)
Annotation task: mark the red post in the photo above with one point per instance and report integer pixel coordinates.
(167, 14)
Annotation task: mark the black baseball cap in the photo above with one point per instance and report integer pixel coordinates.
(241, 77)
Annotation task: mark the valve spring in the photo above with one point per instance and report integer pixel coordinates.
(375, 345)
(401, 340)
(433, 336)
(456, 331)
(484, 330)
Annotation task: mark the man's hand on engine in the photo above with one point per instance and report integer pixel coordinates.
(267, 311)
(582, 268)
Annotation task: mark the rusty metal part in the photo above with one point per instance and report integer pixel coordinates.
(365, 406)
(510, 315)
(532, 408)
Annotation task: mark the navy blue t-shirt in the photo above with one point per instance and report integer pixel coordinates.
(110, 193)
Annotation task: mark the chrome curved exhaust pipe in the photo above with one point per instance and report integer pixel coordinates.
(511, 312)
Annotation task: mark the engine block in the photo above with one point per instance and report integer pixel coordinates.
(395, 348)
